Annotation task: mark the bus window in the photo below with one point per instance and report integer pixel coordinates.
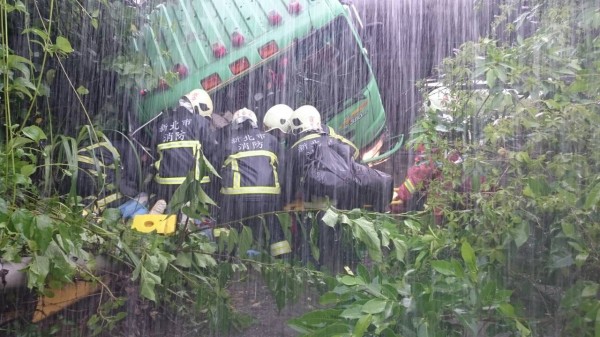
(324, 69)
(331, 69)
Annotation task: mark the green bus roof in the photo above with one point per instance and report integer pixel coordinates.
(185, 32)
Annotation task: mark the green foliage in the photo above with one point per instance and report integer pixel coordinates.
(428, 284)
(507, 243)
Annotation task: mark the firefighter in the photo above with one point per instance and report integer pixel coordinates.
(182, 137)
(110, 175)
(318, 174)
(417, 179)
(314, 149)
(250, 180)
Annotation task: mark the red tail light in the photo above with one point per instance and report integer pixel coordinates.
(237, 39)
(219, 50)
(268, 49)
(275, 18)
(294, 7)
(210, 82)
(180, 70)
(239, 65)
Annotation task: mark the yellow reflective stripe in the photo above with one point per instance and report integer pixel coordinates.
(107, 200)
(251, 190)
(237, 178)
(409, 186)
(349, 143)
(331, 131)
(246, 154)
(179, 144)
(196, 147)
(281, 247)
(169, 181)
(305, 138)
(177, 180)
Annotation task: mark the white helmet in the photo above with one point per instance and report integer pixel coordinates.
(277, 118)
(305, 118)
(242, 115)
(200, 102)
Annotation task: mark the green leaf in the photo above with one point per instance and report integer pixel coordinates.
(568, 229)
(490, 77)
(374, 306)
(27, 170)
(34, 132)
(37, 32)
(204, 260)
(43, 230)
(353, 312)
(50, 75)
(400, 249)
(148, 281)
(522, 329)
(507, 309)
(20, 63)
(521, 233)
(20, 6)
(245, 239)
(581, 258)
(468, 255)
(330, 218)
(593, 197)
(362, 325)
(443, 267)
(184, 260)
(557, 262)
(336, 329)
(329, 298)
(39, 267)
(64, 45)
(315, 320)
(364, 231)
(82, 90)
(351, 280)
(590, 290)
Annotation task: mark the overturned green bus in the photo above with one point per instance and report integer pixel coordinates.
(256, 54)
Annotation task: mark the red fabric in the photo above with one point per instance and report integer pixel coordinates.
(419, 176)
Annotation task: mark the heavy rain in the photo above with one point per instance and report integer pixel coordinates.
(417, 168)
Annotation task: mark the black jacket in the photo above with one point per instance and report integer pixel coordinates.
(317, 166)
(250, 163)
(180, 138)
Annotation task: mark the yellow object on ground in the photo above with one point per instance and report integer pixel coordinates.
(161, 223)
(217, 232)
(62, 298)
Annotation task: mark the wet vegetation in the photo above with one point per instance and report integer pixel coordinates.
(504, 243)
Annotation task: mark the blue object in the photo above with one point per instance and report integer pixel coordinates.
(132, 208)
(252, 253)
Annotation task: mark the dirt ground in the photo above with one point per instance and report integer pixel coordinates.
(252, 297)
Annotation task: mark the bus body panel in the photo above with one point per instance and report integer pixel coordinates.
(186, 32)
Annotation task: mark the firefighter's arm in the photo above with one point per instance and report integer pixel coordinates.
(416, 178)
